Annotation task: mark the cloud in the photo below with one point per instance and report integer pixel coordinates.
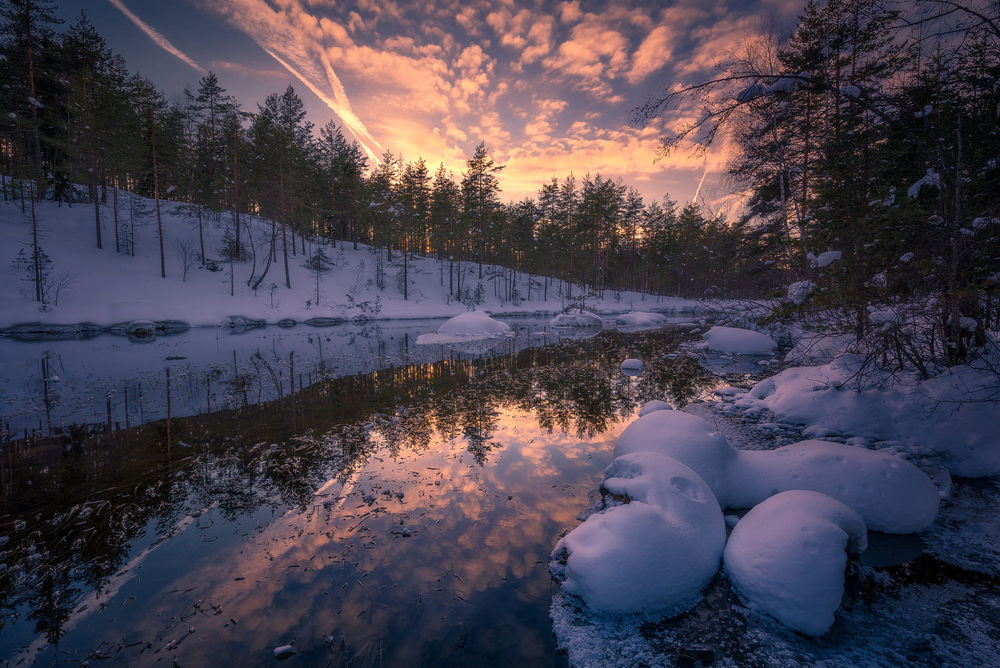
(653, 54)
(294, 38)
(154, 35)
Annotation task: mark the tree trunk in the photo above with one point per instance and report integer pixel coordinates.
(284, 236)
(156, 198)
(36, 253)
(114, 209)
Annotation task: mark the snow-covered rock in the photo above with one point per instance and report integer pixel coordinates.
(468, 326)
(891, 494)
(641, 319)
(632, 367)
(739, 341)
(787, 557)
(576, 319)
(654, 405)
(655, 553)
(687, 438)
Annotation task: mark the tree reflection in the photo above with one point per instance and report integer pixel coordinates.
(73, 506)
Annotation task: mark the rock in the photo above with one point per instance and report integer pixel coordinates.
(283, 652)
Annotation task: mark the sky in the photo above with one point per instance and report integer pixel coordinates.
(547, 84)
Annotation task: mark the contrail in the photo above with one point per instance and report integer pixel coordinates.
(342, 110)
(154, 35)
(694, 200)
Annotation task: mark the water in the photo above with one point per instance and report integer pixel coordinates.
(376, 503)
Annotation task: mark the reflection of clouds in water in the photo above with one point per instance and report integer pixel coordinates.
(337, 567)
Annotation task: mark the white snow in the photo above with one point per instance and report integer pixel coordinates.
(824, 259)
(799, 291)
(576, 319)
(468, 326)
(654, 405)
(954, 415)
(851, 91)
(632, 366)
(107, 287)
(930, 179)
(891, 494)
(739, 341)
(787, 557)
(641, 319)
(655, 553)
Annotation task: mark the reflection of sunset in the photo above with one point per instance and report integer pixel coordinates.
(343, 567)
(405, 504)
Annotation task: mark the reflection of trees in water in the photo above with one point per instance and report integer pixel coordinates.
(72, 514)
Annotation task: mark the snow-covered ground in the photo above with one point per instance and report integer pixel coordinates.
(106, 287)
(931, 597)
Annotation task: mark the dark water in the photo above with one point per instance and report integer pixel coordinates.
(399, 516)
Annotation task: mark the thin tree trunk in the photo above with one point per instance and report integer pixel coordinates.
(284, 236)
(36, 253)
(114, 209)
(156, 198)
(201, 236)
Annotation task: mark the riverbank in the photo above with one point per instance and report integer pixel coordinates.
(929, 598)
(85, 288)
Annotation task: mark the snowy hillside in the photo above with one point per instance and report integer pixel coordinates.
(106, 287)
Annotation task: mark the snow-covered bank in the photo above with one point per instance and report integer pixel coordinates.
(885, 468)
(89, 288)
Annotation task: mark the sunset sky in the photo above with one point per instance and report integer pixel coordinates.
(547, 84)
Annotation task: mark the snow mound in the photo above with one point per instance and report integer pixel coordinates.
(787, 557)
(654, 405)
(955, 415)
(468, 326)
(655, 553)
(687, 438)
(739, 341)
(641, 319)
(577, 319)
(891, 494)
(632, 367)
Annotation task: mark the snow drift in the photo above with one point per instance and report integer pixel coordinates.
(954, 415)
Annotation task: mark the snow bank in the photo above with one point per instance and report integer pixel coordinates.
(739, 341)
(955, 415)
(641, 319)
(577, 319)
(468, 326)
(201, 296)
(891, 494)
(787, 557)
(655, 553)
